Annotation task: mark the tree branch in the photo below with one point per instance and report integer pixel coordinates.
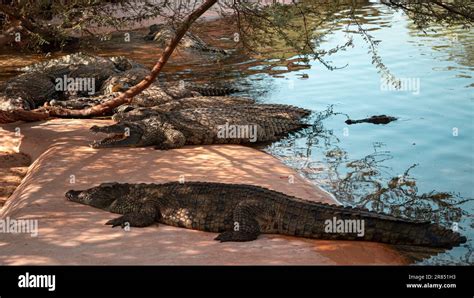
(126, 97)
(468, 15)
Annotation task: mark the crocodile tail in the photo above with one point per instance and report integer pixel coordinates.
(415, 240)
(416, 234)
(389, 229)
(213, 91)
(418, 253)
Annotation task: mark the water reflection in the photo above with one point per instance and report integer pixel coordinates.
(368, 182)
(453, 44)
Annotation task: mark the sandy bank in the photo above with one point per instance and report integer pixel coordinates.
(13, 167)
(70, 233)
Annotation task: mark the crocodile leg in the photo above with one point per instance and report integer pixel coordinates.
(144, 217)
(173, 139)
(246, 226)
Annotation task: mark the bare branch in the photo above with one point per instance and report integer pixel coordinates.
(130, 93)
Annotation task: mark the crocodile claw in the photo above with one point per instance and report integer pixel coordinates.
(119, 221)
(224, 237)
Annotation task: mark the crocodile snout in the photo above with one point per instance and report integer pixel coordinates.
(73, 195)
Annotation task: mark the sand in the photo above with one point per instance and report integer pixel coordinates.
(13, 167)
(70, 233)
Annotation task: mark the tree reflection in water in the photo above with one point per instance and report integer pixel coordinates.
(368, 182)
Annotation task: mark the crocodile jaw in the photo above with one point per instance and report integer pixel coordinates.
(102, 196)
(119, 135)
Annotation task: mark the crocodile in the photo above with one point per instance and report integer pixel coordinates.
(94, 74)
(241, 212)
(152, 96)
(32, 89)
(133, 113)
(124, 80)
(102, 70)
(80, 58)
(168, 94)
(26, 91)
(162, 33)
(240, 124)
(379, 119)
(39, 83)
(143, 105)
(123, 74)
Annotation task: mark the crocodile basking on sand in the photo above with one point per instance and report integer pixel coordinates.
(379, 119)
(38, 84)
(242, 212)
(155, 95)
(240, 124)
(134, 113)
(126, 79)
(26, 91)
(77, 59)
(162, 97)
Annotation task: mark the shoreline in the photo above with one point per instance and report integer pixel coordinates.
(69, 233)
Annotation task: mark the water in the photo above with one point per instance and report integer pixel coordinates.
(418, 166)
(434, 129)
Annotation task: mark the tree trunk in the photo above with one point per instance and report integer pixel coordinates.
(126, 97)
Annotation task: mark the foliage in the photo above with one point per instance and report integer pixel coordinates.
(52, 24)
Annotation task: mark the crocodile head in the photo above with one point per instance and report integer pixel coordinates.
(122, 134)
(101, 196)
(133, 133)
